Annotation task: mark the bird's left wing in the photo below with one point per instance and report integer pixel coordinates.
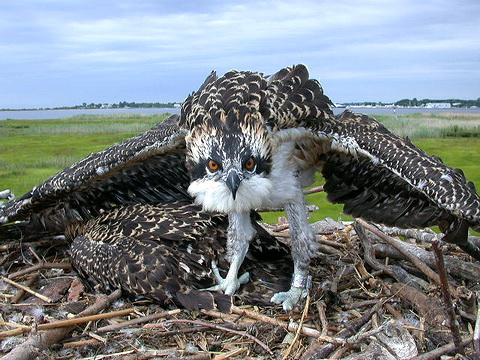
(147, 168)
(377, 175)
(383, 178)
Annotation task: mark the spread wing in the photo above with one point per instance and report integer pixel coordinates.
(147, 168)
(386, 179)
(377, 175)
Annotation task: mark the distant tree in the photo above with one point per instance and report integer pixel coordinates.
(403, 102)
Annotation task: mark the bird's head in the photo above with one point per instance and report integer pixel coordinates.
(229, 159)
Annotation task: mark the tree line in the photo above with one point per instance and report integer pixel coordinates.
(125, 104)
(453, 102)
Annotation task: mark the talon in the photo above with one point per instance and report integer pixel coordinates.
(216, 272)
(230, 284)
(289, 298)
(244, 278)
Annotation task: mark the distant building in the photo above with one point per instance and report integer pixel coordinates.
(438, 105)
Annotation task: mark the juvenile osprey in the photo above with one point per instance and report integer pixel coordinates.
(245, 141)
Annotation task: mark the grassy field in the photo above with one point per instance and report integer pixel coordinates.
(33, 150)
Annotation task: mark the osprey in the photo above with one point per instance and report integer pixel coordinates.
(245, 141)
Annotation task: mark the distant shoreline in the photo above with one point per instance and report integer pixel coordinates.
(66, 113)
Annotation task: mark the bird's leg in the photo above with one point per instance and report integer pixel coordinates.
(304, 247)
(240, 232)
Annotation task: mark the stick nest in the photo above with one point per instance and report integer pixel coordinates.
(374, 295)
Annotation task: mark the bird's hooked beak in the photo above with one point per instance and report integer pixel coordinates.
(233, 180)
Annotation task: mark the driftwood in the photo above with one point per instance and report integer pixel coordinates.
(374, 296)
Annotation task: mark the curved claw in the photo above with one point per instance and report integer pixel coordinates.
(289, 298)
(230, 284)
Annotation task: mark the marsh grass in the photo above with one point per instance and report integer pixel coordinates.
(33, 150)
(426, 125)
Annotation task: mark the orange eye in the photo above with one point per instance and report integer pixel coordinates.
(250, 164)
(213, 165)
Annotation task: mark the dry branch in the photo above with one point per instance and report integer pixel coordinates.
(40, 266)
(38, 341)
(27, 289)
(447, 298)
(446, 349)
(318, 351)
(454, 266)
(139, 320)
(414, 259)
(272, 321)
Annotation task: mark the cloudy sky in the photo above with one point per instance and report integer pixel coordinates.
(66, 52)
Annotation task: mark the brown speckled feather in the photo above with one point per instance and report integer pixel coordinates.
(164, 253)
(147, 168)
(386, 179)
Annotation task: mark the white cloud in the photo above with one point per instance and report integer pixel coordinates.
(354, 40)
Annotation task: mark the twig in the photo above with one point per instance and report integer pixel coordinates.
(300, 325)
(318, 351)
(313, 190)
(73, 344)
(415, 260)
(150, 354)
(455, 266)
(446, 349)
(234, 319)
(8, 256)
(323, 317)
(27, 289)
(229, 354)
(457, 340)
(291, 327)
(139, 320)
(40, 266)
(476, 332)
(37, 342)
(222, 328)
(19, 295)
(409, 233)
(69, 322)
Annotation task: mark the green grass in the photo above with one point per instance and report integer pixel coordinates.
(426, 125)
(33, 150)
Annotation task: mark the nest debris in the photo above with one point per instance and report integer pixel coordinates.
(374, 295)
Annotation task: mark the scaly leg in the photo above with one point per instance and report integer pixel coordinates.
(240, 232)
(304, 247)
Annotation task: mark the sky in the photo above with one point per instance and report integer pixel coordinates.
(66, 52)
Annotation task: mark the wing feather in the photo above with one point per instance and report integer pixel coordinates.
(386, 179)
(147, 168)
(164, 253)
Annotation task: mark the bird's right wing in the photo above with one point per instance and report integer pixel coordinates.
(383, 178)
(147, 168)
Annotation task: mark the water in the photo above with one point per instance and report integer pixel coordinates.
(58, 114)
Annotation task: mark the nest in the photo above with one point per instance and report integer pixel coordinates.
(380, 293)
